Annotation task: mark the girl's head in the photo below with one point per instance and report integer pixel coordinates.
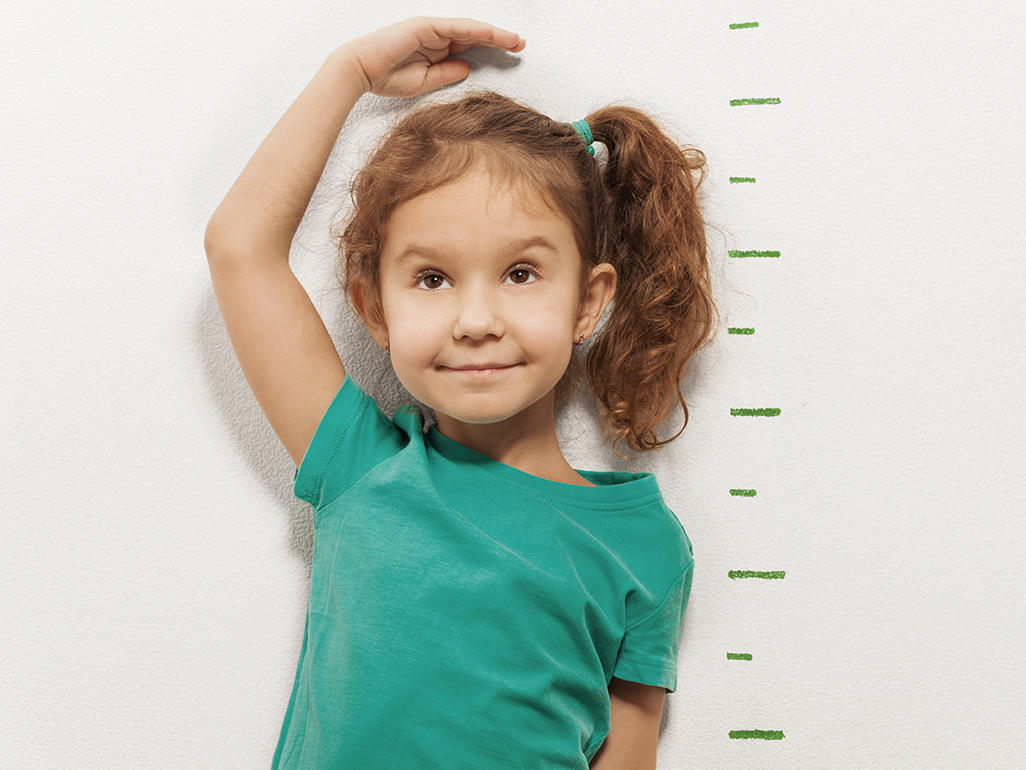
(438, 265)
(478, 272)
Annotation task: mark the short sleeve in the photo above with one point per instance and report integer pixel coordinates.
(648, 652)
(352, 437)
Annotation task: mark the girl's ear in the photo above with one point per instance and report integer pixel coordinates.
(360, 302)
(601, 289)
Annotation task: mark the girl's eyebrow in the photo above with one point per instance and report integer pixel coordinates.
(511, 247)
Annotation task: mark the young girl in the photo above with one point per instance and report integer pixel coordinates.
(475, 601)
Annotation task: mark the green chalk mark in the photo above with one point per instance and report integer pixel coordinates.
(766, 735)
(767, 412)
(740, 330)
(751, 253)
(739, 656)
(744, 24)
(751, 573)
(763, 100)
(742, 493)
(739, 179)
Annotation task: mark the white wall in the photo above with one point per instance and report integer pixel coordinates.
(153, 561)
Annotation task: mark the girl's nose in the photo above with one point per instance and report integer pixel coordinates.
(478, 316)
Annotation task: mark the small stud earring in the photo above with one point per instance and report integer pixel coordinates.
(386, 349)
(580, 340)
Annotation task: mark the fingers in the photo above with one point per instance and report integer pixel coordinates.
(472, 32)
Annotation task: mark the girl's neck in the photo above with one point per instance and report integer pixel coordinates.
(529, 445)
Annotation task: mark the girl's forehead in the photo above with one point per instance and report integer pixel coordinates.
(473, 192)
(427, 224)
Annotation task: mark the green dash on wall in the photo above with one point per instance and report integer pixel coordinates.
(740, 330)
(751, 573)
(742, 492)
(739, 656)
(738, 253)
(766, 412)
(766, 735)
(756, 100)
(740, 179)
(744, 24)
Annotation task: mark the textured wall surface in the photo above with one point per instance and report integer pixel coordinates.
(154, 563)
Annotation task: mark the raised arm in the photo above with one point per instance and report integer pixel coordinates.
(283, 347)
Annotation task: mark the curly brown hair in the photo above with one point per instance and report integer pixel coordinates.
(639, 212)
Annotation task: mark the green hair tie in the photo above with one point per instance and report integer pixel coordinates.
(584, 130)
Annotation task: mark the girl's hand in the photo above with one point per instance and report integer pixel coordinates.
(410, 57)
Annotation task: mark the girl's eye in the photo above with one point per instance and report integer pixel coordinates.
(527, 270)
(522, 269)
(425, 276)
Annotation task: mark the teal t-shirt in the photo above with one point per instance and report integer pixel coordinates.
(464, 613)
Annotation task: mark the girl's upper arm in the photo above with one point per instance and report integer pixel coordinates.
(635, 711)
(281, 342)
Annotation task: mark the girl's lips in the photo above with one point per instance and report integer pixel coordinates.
(482, 372)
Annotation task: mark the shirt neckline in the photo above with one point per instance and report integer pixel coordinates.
(610, 486)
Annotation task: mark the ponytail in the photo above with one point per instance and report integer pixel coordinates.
(664, 311)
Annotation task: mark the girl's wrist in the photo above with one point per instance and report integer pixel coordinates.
(345, 60)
